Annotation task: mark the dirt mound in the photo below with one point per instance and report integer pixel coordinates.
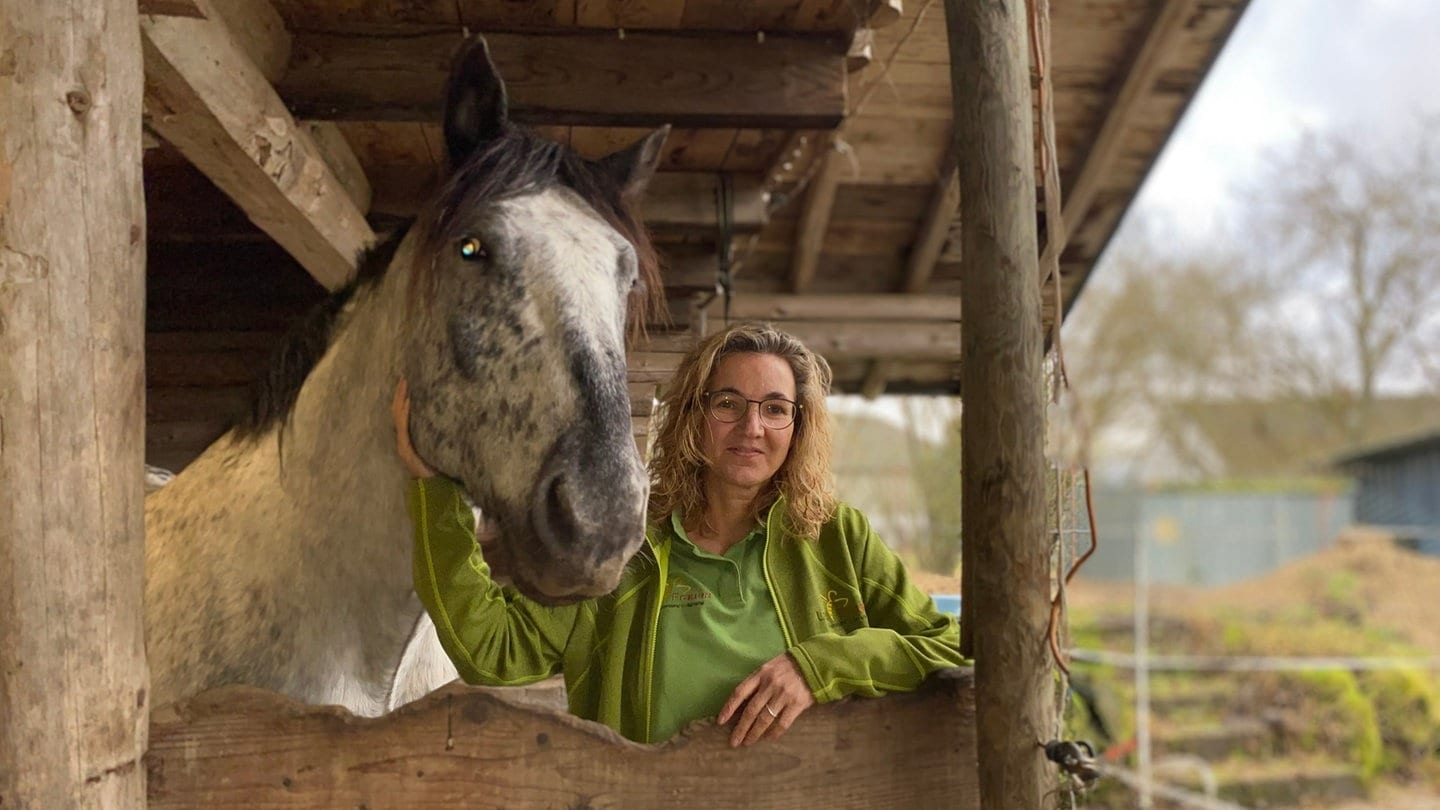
(1392, 587)
(1365, 574)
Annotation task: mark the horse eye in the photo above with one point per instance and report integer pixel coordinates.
(471, 249)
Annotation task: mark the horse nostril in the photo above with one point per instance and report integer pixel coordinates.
(559, 512)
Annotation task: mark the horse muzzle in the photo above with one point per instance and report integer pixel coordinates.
(588, 519)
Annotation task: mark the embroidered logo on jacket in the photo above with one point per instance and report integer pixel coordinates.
(681, 592)
(842, 611)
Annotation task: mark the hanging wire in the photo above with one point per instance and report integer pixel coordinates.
(724, 252)
(725, 214)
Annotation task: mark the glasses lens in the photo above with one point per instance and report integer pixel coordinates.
(726, 407)
(777, 413)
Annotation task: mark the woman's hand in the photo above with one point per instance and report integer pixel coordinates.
(400, 411)
(772, 697)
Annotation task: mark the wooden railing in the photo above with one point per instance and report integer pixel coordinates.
(484, 748)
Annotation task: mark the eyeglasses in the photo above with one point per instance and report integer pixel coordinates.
(776, 413)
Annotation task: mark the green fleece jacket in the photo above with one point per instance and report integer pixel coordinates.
(852, 619)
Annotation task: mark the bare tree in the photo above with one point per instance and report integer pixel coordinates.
(1330, 302)
(1355, 232)
(1165, 325)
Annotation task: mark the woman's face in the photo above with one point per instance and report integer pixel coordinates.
(746, 454)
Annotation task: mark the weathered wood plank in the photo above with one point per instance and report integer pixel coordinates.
(582, 78)
(832, 307)
(73, 685)
(674, 202)
(171, 8)
(924, 255)
(871, 339)
(258, 30)
(1140, 75)
(240, 747)
(815, 220)
(205, 96)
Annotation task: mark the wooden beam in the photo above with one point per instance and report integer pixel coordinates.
(682, 202)
(839, 340)
(815, 220)
(205, 96)
(260, 32)
(1005, 566)
(242, 747)
(1139, 80)
(171, 8)
(74, 712)
(583, 77)
(924, 253)
(862, 50)
(258, 29)
(812, 307)
(686, 201)
(885, 12)
(336, 152)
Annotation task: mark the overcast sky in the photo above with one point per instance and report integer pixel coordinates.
(1365, 66)
(1360, 65)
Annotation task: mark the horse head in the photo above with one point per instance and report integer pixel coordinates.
(528, 268)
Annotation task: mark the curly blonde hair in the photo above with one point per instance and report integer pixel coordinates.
(678, 463)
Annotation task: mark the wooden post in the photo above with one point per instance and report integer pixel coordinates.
(1005, 553)
(73, 707)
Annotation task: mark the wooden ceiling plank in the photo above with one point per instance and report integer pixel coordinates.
(629, 13)
(924, 254)
(674, 201)
(788, 81)
(815, 221)
(172, 8)
(843, 307)
(205, 96)
(1140, 75)
(904, 339)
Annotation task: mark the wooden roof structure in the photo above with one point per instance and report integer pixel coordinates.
(287, 133)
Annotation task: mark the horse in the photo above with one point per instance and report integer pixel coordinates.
(280, 557)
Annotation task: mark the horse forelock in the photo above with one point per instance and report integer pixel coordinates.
(274, 394)
(520, 162)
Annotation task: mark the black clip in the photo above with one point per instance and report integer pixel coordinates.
(1076, 758)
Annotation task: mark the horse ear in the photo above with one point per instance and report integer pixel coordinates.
(475, 102)
(633, 166)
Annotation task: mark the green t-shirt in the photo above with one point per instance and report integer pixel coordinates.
(718, 624)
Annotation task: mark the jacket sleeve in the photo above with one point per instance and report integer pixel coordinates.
(495, 636)
(906, 638)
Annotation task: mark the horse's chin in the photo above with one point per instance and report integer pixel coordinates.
(506, 569)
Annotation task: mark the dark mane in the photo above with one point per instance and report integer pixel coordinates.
(273, 395)
(520, 162)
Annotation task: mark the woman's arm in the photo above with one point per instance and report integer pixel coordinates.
(494, 635)
(907, 637)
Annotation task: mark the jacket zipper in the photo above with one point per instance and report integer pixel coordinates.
(770, 583)
(662, 563)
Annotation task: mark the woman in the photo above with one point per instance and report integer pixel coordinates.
(755, 596)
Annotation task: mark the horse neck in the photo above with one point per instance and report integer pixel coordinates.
(337, 451)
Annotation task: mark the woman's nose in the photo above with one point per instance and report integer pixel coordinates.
(751, 420)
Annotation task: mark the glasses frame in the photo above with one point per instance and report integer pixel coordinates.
(705, 405)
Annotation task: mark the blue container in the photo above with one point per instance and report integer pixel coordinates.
(947, 602)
